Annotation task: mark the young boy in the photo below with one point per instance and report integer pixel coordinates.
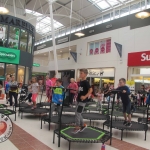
(124, 94)
(57, 97)
(85, 91)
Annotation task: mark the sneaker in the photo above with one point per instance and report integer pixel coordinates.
(125, 122)
(33, 108)
(83, 128)
(129, 124)
(76, 130)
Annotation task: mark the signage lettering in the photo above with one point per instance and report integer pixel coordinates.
(17, 22)
(145, 57)
(7, 55)
(36, 65)
(95, 73)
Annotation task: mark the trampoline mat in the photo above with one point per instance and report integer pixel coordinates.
(3, 106)
(92, 108)
(95, 116)
(37, 110)
(143, 120)
(118, 124)
(43, 104)
(24, 105)
(115, 113)
(69, 109)
(7, 111)
(65, 119)
(90, 103)
(89, 133)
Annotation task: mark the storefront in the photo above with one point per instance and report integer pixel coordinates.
(16, 48)
(139, 68)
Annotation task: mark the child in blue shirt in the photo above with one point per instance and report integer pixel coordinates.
(57, 97)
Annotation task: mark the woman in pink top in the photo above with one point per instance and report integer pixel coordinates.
(48, 89)
(73, 85)
(54, 80)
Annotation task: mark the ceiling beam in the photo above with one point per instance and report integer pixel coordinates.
(121, 2)
(108, 3)
(28, 2)
(70, 10)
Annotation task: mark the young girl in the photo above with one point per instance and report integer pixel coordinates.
(35, 90)
(48, 90)
(29, 93)
(100, 97)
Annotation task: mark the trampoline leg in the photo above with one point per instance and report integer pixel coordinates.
(145, 135)
(90, 122)
(15, 116)
(103, 126)
(53, 137)
(121, 134)
(69, 145)
(41, 123)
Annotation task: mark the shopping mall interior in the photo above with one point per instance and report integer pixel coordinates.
(74, 74)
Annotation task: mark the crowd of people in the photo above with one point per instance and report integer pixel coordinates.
(80, 91)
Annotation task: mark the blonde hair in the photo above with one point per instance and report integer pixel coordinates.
(72, 79)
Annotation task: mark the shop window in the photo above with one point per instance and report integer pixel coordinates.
(14, 37)
(27, 75)
(3, 35)
(1, 69)
(30, 44)
(23, 40)
(10, 69)
(21, 71)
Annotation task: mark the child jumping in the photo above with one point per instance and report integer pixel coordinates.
(85, 91)
(100, 97)
(35, 90)
(124, 94)
(57, 97)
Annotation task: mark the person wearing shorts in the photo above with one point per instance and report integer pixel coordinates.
(85, 91)
(124, 94)
(35, 90)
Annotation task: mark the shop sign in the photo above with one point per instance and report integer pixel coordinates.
(139, 59)
(108, 72)
(8, 55)
(36, 65)
(2, 78)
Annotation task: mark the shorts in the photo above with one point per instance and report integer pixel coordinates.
(127, 108)
(34, 97)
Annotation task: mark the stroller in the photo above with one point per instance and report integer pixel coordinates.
(23, 93)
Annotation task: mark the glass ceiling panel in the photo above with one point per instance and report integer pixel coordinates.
(103, 5)
(43, 24)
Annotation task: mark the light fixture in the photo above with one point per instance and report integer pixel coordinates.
(60, 51)
(79, 34)
(142, 15)
(3, 10)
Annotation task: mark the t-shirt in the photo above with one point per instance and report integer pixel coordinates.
(53, 81)
(73, 86)
(13, 86)
(83, 90)
(35, 88)
(124, 96)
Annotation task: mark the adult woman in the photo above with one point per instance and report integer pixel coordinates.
(13, 92)
(48, 90)
(73, 85)
(143, 94)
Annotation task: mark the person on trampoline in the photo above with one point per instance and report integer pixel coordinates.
(57, 97)
(85, 91)
(124, 94)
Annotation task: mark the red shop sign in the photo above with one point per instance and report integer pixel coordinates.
(139, 58)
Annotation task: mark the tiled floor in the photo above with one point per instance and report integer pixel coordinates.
(27, 135)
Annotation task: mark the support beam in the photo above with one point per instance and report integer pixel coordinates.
(121, 2)
(28, 2)
(108, 3)
(14, 4)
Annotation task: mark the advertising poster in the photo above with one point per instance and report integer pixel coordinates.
(131, 85)
(102, 47)
(91, 48)
(108, 45)
(96, 50)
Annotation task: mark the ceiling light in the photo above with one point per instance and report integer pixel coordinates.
(79, 34)
(60, 51)
(142, 15)
(4, 10)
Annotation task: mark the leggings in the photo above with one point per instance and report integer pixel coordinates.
(142, 100)
(11, 95)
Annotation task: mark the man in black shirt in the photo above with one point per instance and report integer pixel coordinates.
(85, 91)
(124, 94)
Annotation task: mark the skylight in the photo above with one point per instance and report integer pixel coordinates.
(43, 25)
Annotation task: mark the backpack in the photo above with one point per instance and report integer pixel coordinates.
(148, 100)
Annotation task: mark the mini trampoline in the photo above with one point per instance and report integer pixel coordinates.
(2, 106)
(94, 116)
(65, 119)
(144, 120)
(71, 109)
(89, 135)
(8, 112)
(118, 124)
(33, 111)
(42, 104)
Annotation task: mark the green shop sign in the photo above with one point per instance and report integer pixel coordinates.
(2, 78)
(8, 55)
(36, 65)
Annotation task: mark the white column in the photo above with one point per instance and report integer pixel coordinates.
(14, 7)
(53, 37)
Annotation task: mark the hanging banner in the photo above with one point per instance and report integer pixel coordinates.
(74, 55)
(102, 47)
(91, 48)
(131, 85)
(96, 51)
(108, 45)
(119, 48)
